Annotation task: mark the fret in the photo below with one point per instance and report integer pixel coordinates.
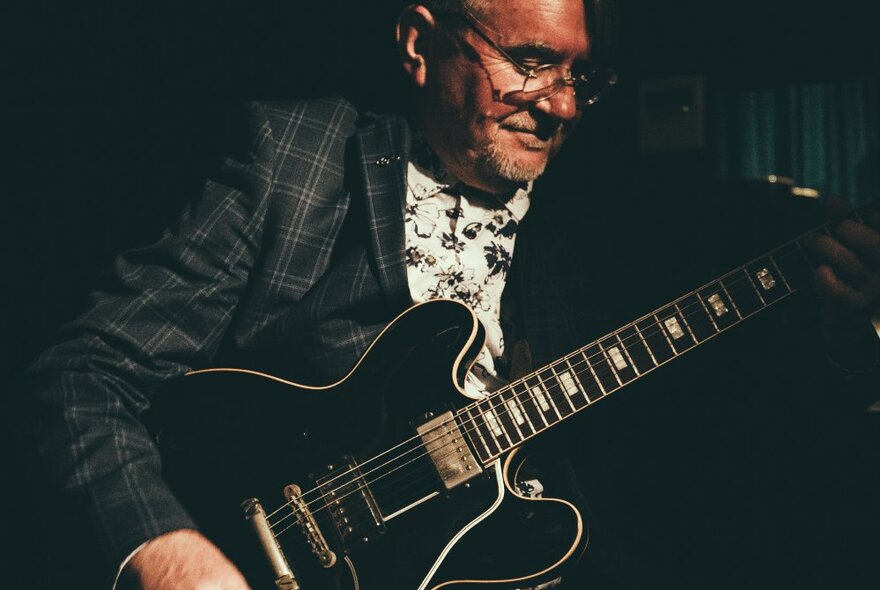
(699, 321)
(675, 329)
(587, 377)
(512, 409)
(606, 361)
(530, 405)
(600, 372)
(638, 349)
(584, 379)
(730, 299)
(474, 425)
(632, 363)
(517, 411)
(793, 264)
(545, 401)
(767, 280)
(742, 292)
(571, 385)
(603, 368)
(464, 424)
(555, 392)
(664, 333)
(566, 386)
(485, 430)
(722, 310)
(505, 418)
(655, 340)
(788, 287)
(493, 421)
(709, 313)
(617, 357)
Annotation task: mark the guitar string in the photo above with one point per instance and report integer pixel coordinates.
(549, 390)
(742, 281)
(423, 475)
(367, 484)
(371, 483)
(740, 269)
(634, 338)
(738, 283)
(685, 311)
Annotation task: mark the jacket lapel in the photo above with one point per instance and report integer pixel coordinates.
(381, 153)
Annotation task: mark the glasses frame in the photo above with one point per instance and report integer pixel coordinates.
(568, 78)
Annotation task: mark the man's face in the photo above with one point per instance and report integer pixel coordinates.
(481, 139)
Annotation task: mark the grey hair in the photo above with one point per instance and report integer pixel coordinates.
(601, 19)
(476, 7)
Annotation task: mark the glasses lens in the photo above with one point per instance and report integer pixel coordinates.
(548, 80)
(544, 82)
(589, 88)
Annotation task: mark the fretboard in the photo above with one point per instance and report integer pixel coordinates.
(528, 406)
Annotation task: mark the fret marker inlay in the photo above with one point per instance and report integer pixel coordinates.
(568, 383)
(515, 412)
(492, 421)
(717, 304)
(673, 327)
(542, 399)
(617, 358)
(766, 279)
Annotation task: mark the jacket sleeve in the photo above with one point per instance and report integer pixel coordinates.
(161, 311)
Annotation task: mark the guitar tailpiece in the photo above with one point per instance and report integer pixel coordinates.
(256, 515)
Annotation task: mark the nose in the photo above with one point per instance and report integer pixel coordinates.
(561, 105)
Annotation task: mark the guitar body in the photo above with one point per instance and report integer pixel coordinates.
(376, 497)
(392, 478)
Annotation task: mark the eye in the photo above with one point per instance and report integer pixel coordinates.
(532, 63)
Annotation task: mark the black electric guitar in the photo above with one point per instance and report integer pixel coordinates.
(391, 478)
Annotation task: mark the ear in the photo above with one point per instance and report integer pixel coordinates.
(413, 26)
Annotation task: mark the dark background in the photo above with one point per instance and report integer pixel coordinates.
(111, 113)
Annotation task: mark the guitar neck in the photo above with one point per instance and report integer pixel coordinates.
(534, 403)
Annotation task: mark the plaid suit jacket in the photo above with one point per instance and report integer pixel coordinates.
(295, 246)
(302, 234)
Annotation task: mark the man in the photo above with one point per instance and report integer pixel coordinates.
(307, 243)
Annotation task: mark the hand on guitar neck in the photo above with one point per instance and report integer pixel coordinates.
(182, 560)
(848, 285)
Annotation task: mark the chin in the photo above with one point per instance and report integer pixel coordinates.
(514, 166)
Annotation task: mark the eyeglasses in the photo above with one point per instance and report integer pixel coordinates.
(545, 81)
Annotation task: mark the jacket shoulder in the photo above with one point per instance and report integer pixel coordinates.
(332, 117)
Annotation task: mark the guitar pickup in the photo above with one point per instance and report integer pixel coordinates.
(448, 451)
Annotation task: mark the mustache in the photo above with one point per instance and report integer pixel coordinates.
(544, 128)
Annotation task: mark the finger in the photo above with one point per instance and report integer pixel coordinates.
(832, 289)
(846, 264)
(861, 239)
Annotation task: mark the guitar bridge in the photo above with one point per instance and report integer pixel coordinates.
(309, 527)
(450, 454)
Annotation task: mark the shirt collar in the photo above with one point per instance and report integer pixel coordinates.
(428, 177)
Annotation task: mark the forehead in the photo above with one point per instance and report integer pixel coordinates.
(558, 24)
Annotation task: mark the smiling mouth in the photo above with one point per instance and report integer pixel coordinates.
(532, 139)
(541, 135)
(522, 130)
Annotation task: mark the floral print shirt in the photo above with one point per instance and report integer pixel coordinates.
(459, 245)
